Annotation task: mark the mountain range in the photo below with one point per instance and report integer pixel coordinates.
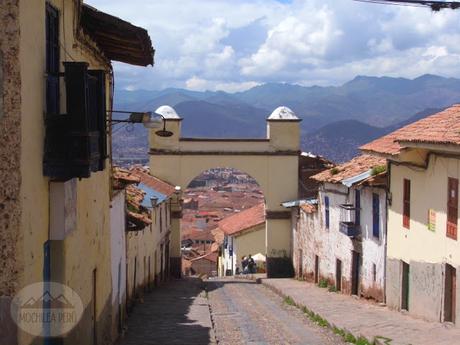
(336, 119)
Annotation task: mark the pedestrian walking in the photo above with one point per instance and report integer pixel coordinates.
(251, 265)
(244, 264)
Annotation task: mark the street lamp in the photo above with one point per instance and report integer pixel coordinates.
(149, 119)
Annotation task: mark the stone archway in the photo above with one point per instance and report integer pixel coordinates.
(272, 161)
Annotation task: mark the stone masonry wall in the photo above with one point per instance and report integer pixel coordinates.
(10, 140)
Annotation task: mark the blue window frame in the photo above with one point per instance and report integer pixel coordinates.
(357, 207)
(376, 215)
(326, 211)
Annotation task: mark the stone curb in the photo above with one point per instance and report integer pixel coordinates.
(376, 341)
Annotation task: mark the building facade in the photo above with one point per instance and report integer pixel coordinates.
(56, 86)
(340, 237)
(423, 254)
(243, 236)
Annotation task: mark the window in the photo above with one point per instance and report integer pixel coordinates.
(374, 272)
(326, 211)
(357, 207)
(406, 204)
(375, 215)
(452, 207)
(52, 61)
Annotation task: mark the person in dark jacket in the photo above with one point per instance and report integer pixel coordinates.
(251, 265)
(244, 264)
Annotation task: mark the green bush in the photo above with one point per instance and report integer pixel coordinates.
(378, 169)
(323, 283)
(289, 301)
(332, 288)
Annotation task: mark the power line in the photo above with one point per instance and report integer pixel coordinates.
(434, 5)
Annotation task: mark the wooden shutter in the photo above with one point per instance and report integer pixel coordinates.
(357, 207)
(452, 207)
(97, 117)
(52, 61)
(375, 215)
(326, 208)
(406, 204)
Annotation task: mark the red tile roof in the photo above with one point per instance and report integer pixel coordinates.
(123, 178)
(209, 256)
(243, 220)
(309, 208)
(440, 128)
(152, 181)
(356, 166)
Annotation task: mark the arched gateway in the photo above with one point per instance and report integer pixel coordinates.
(273, 162)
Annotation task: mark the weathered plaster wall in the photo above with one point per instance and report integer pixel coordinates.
(144, 247)
(92, 231)
(427, 267)
(10, 153)
(118, 258)
(312, 238)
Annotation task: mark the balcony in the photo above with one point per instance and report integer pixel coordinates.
(348, 224)
(76, 142)
(349, 229)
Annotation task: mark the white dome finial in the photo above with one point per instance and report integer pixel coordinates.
(168, 112)
(283, 113)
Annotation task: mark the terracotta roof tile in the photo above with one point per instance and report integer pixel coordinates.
(243, 220)
(309, 208)
(440, 128)
(152, 181)
(356, 166)
(123, 177)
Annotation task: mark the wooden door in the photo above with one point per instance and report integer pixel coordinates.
(450, 302)
(338, 275)
(94, 307)
(355, 273)
(316, 269)
(300, 264)
(452, 208)
(405, 286)
(406, 204)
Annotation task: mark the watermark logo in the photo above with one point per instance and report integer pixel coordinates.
(47, 309)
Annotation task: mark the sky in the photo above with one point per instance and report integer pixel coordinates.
(233, 45)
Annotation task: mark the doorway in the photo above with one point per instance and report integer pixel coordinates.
(300, 264)
(316, 269)
(355, 273)
(338, 275)
(405, 286)
(94, 307)
(450, 300)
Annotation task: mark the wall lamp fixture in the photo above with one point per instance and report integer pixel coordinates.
(149, 119)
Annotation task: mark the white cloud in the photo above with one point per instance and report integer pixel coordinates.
(196, 84)
(202, 44)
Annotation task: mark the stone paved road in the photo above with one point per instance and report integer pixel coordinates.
(244, 312)
(177, 313)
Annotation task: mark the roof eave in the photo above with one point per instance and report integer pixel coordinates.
(119, 40)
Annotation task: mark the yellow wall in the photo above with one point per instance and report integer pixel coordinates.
(251, 242)
(91, 235)
(428, 191)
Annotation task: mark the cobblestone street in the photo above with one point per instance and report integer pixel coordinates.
(176, 313)
(244, 312)
(234, 312)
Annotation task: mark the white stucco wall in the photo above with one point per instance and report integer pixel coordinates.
(312, 237)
